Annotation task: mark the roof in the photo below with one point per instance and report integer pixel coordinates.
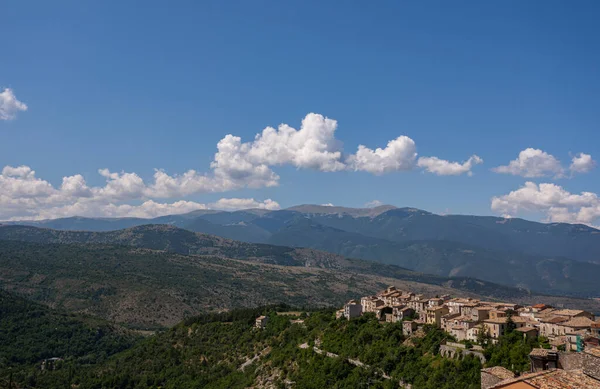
(261, 317)
(437, 308)
(526, 329)
(554, 379)
(595, 351)
(578, 322)
(540, 352)
(500, 372)
(500, 320)
(450, 316)
(540, 306)
(554, 319)
(568, 312)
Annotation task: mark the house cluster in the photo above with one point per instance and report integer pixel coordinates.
(468, 319)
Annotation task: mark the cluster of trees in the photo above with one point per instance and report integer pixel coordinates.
(512, 349)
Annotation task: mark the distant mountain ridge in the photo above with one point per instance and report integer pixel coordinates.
(554, 258)
(439, 259)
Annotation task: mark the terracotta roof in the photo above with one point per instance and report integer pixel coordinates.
(564, 379)
(500, 372)
(554, 379)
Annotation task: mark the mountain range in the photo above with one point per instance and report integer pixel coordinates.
(555, 258)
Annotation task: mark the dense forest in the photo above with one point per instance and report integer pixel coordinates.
(224, 350)
(31, 333)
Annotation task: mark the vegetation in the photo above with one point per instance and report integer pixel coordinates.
(465, 262)
(226, 351)
(30, 333)
(148, 288)
(550, 258)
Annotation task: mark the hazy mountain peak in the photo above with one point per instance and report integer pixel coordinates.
(332, 210)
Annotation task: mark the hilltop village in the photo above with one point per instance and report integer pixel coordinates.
(469, 319)
(572, 359)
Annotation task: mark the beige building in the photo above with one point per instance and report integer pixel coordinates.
(434, 315)
(261, 321)
(371, 303)
(497, 327)
(352, 309)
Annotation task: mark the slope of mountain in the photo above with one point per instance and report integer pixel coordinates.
(554, 275)
(150, 288)
(30, 332)
(219, 351)
(559, 276)
(551, 258)
(129, 275)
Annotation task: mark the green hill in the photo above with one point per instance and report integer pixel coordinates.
(225, 351)
(31, 332)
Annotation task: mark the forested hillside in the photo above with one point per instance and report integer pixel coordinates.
(299, 349)
(31, 332)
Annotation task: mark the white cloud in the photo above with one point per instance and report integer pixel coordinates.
(25, 196)
(236, 165)
(327, 205)
(21, 182)
(533, 163)
(121, 186)
(399, 155)
(446, 168)
(313, 146)
(582, 163)
(75, 186)
(373, 204)
(554, 201)
(97, 207)
(9, 105)
(236, 203)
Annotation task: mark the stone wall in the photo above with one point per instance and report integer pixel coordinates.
(572, 361)
(453, 352)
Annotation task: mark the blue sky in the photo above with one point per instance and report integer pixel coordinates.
(133, 88)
